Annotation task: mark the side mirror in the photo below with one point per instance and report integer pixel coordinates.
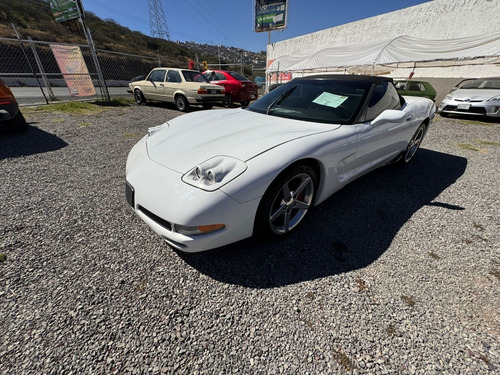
(389, 115)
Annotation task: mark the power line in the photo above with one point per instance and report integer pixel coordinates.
(221, 27)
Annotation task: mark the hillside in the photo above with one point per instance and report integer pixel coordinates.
(34, 18)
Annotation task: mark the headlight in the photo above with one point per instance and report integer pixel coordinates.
(214, 173)
(494, 99)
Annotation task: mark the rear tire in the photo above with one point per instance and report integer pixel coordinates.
(413, 145)
(17, 124)
(181, 103)
(286, 202)
(244, 104)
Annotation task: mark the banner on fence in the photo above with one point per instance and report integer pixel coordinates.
(72, 65)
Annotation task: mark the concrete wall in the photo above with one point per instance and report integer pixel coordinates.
(437, 19)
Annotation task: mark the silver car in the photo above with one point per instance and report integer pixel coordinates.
(478, 97)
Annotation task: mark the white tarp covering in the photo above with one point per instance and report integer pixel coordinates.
(403, 51)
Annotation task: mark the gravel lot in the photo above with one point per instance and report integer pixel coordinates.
(399, 273)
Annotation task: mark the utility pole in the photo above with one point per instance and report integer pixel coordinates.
(157, 20)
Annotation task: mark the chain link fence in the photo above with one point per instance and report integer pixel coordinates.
(31, 70)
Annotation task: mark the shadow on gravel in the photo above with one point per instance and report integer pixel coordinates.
(349, 231)
(33, 141)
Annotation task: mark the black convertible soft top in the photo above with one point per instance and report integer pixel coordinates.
(348, 77)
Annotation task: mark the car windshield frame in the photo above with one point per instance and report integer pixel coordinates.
(194, 76)
(326, 100)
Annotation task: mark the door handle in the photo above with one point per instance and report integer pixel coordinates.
(162, 85)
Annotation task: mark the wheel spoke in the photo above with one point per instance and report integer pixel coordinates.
(276, 214)
(286, 221)
(302, 186)
(286, 193)
(299, 205)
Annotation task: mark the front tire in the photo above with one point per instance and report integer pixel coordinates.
(181, 103)
(413, 145)
(286, 202)
(227, 101)
(245, 104)
(139, 97)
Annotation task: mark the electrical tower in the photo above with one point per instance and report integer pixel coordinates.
(157, 20)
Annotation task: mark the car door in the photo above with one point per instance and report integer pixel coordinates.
(377, 143)
(172, 85)
(155, 85)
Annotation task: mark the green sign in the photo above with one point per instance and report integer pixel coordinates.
(270, 15)
(64, 10)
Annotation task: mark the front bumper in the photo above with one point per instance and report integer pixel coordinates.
(163, 201)
(8, 111)
(484, 108)
(211, 99)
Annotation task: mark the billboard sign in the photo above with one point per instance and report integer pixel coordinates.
(64, 10)
(270, 15)
(72, 65)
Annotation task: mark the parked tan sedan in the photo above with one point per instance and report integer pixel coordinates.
(183, 87)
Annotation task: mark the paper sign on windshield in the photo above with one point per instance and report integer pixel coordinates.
(330, 100)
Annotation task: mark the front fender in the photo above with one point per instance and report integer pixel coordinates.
(332, 150)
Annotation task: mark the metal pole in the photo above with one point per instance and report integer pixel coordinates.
(42, 71)
(90, 42)
(29, 64)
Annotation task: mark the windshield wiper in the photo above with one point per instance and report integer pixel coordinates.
(280, 98)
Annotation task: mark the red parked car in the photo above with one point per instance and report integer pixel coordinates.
(238, 88)
(9, 110)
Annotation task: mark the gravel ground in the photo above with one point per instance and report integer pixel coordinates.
(399, 273)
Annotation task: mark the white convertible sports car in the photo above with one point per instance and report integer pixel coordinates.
(207, 179)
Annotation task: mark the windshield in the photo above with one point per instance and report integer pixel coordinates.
(238, 76)
(330, 101)
(192, 76)
(486, 84)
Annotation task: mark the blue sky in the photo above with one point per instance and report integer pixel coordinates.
(230, 22)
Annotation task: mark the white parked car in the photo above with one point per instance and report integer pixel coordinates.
(183, 87)
(204, 180)
(477, 97)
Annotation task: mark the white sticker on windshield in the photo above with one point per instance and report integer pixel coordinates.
(330, 100)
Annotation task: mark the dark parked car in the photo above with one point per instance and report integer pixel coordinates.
(9, 110)
(261, 81)
(415, 88)
(238, 87)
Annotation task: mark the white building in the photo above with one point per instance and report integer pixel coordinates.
(433, 20)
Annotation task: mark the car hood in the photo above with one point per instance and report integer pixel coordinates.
(474, 94)
(188, 140)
